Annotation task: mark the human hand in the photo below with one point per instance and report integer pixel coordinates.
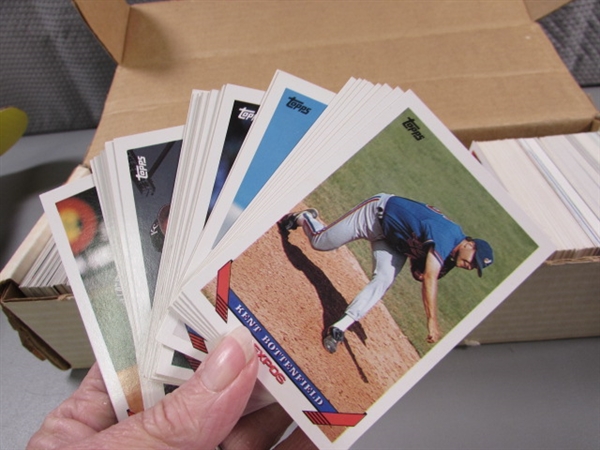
(202, 413)
(434, 331)
(417, 275)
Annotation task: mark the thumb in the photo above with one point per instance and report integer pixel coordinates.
(200, 413)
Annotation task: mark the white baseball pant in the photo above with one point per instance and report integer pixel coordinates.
(361, 222)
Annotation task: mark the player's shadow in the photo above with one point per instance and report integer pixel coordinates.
(333, 303)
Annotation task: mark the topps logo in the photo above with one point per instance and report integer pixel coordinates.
(141, 169)
(411, 126)
(294, 103)
(246, 114)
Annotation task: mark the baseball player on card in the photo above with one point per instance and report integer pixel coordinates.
(398, 229)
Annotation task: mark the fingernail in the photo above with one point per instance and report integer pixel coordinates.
(227, 360)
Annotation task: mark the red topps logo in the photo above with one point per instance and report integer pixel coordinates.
(273, 369)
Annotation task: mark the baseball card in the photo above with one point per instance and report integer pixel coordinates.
(146, 166)
(353, 117)
(78, 228)
(190, 169)
(237, 107)
(356, 114)
(290, 106)
(197, 190)
(176, 335)
(357, 284)
(143, 167)
(197, 131)
(174, 368)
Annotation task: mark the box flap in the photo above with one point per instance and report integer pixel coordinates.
(162, 33)
(108, 21)
(483, 66)
(34, 343)
(57, 324)
(540, 8)
(538, 309)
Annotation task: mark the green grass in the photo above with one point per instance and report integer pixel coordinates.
(111, 314)
(101, 287)
(426, 171)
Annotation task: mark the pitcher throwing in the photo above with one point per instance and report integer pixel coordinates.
(398, 228)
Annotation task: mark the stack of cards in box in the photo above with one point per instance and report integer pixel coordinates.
(175, 240)
(556, 179)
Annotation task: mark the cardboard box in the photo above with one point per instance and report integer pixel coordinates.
(484, 67)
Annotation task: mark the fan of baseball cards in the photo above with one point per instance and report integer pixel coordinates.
(332, 225)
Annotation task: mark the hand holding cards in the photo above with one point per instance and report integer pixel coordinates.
(343, 165)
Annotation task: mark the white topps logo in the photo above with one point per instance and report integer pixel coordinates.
(141, 169)
(246, 114)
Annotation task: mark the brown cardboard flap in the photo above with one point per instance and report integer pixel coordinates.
(483, 66)
(29, 338)
(108, 20)
(163, 32)
(555, 302)
(55, 329)
(484, 84)
(540, 8)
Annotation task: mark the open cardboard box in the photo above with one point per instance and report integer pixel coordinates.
(484, 67)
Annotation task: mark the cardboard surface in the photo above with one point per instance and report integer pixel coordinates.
(33, 342)
(483, 67)
(109, 22)
(57, 320)
(561, 301)
(540, 8)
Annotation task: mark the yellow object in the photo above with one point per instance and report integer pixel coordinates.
(13, 123)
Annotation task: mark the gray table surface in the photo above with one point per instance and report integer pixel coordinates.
(535, 395)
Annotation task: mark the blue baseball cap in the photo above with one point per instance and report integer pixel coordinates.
(484, 255)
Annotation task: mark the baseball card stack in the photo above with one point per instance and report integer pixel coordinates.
(181, 235)
(556, 179)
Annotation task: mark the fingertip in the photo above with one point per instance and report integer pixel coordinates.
(227, 361)
(244, 338)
